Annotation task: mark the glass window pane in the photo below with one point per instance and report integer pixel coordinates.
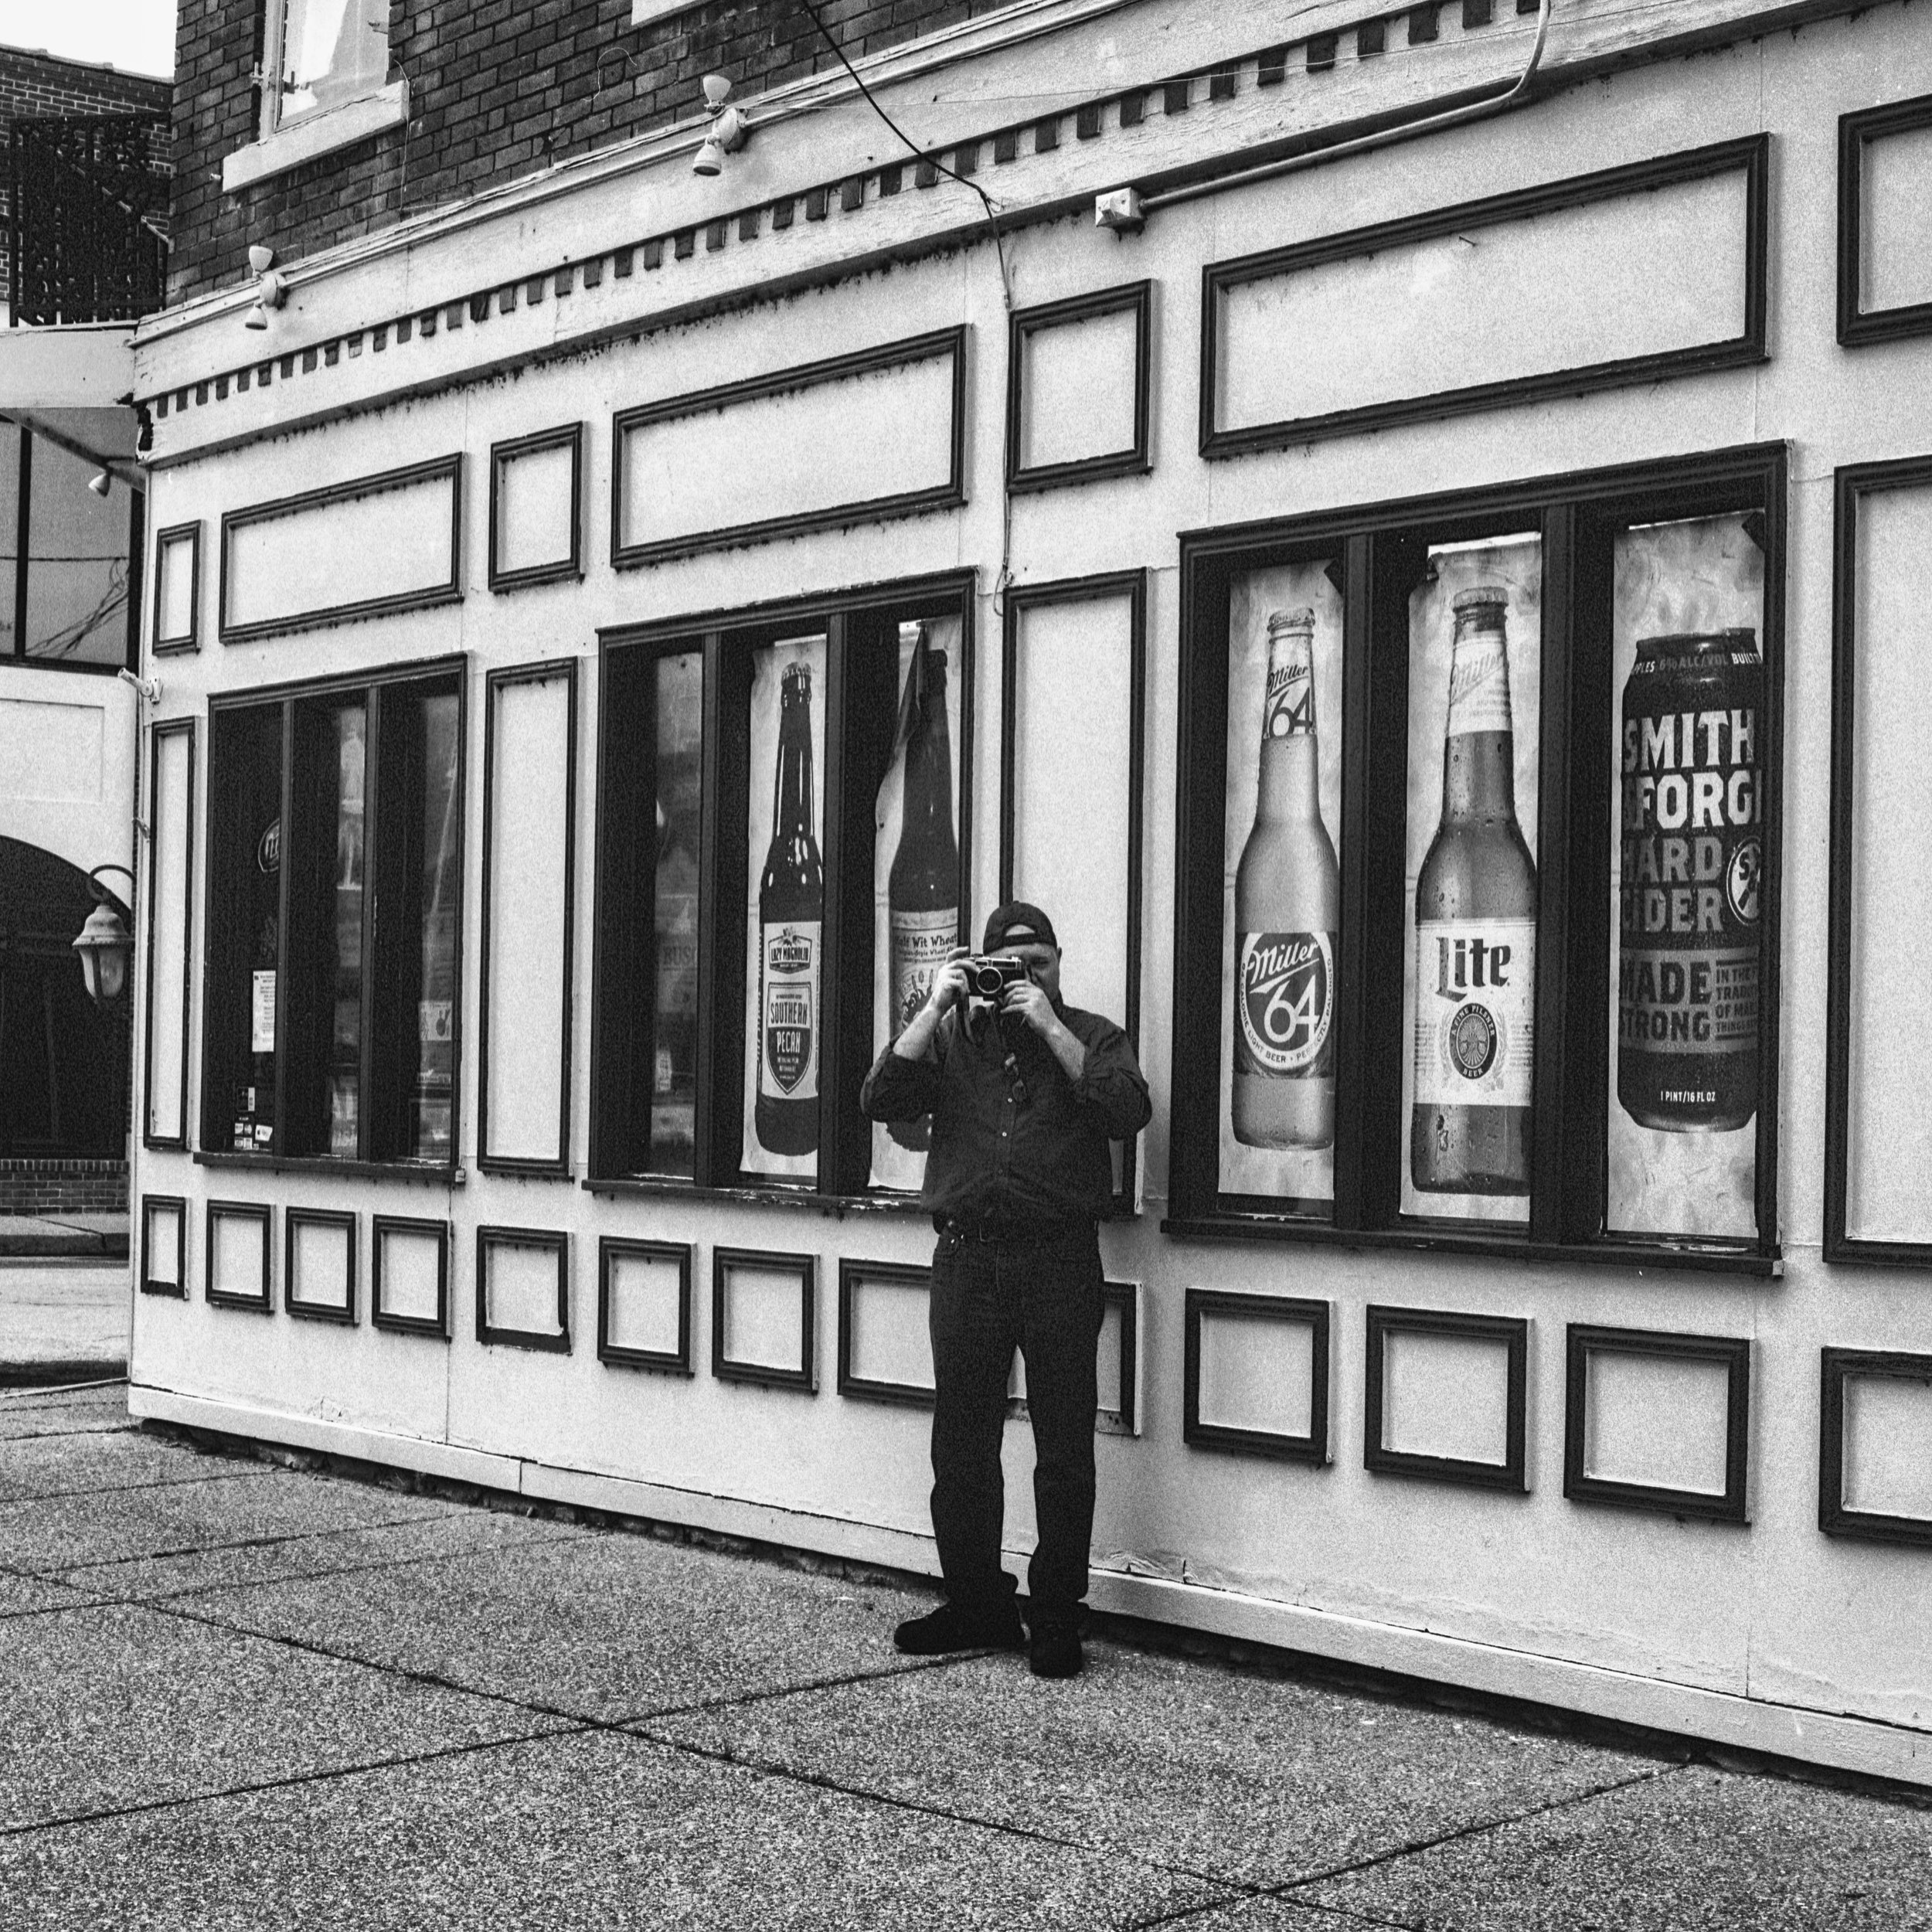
(9, 530)
(332, 51)
(1475, 638)
(1685, 847)
(1281, 917)
(77, 568)
(915, 864)
(677, 708)
(325, 897)
(244, 936)
(418, 830)
(785, 908)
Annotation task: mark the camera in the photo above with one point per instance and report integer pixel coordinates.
(988, 978)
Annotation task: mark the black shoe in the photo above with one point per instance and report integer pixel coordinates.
(950, 1628)
(1055, 1651)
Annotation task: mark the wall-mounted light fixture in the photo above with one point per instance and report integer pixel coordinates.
(271, 290)
(101, 484)
(105, 945)
(729, 127)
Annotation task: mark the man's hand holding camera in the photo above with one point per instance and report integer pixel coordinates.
(1026, 983)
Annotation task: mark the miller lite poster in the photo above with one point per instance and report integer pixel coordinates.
(783, 995)
(1469, 1031)
(1280, 903)
(909, 944)
(1687, 639)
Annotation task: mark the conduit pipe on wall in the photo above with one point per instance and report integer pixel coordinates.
(1361, 143)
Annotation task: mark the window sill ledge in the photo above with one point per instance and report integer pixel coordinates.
(323, 1164)
(838, 1205)
(319, 134)
(1639, 1255)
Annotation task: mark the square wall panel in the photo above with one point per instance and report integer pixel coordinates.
(644, 1305)
(1447, 1397)
(319, 1269)
(763, 1317)
(885, 1344)
(238, 1255)
(1874, 1445)
(1257, 1375)
(409, 1275)
(164, 1246)
(1657, 1421)
(523, 1288)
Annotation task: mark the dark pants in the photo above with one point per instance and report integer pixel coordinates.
(1042, 1297)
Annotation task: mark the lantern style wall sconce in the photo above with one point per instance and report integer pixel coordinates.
(106, 944)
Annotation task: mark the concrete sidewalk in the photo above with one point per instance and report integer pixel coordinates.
(42, 1237)
(238, 1694)
(62, 1320)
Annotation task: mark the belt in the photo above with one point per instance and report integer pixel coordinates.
(994, 1232)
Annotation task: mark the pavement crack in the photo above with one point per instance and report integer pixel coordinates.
(127, 1488)
(737, 1700)
(293, 1782)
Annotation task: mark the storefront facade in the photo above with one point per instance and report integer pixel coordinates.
(614, 630)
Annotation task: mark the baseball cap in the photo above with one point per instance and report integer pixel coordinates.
(1017, 917)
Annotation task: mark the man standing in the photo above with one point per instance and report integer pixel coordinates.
(1024, 1098)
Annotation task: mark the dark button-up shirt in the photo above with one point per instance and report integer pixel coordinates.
(1024, 1148)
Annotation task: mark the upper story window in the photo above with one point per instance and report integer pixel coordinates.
(67, 553)
(322, 52)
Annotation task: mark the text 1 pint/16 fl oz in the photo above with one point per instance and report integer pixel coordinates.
(1287, 899)
(1475, 975)
(1691, 852)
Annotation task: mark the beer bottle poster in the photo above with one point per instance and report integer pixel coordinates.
(1475, 648)
(1686, 835)
(784, 997)
(895, 1164)
(1281, 888)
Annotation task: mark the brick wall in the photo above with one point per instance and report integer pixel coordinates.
(40, 86)
(499, 88)
(63, 1187)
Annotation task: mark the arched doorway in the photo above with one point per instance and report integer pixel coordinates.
(63, 1062)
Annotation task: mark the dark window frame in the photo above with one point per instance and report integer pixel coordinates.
(1134, 298)
(676, 1362)
(1020, 598)
(488, 1162)
(1377, 547)
(1510, 1475)
(190, 641)
(804, 1379)
(294, 1217)
(1581, 1341)
(1837, 1366)
(566, 436)
(1858, 326)
(287, 696)
(20, 657)
(1749, 155)
(178, 1142)
(854, 621)
(436, 1325)
(263, 1215)
(1314, 1448)
(1852, 483)
(177, 1204)
(551, 1241)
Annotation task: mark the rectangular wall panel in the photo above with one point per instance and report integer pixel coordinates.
(536, 513)
(319, 1274)
(1072, 757)
(644, 1305)
(1656, 1422)
(763, 1317)
(523, 1288)
(164, 1246)
(885, 1345)
(1888, 962)
(1255, 1374)
(177, 620)
(1888, 1446)
(1617, 278)
(1078, 382)
(239, 1234)
(410, 1274)
(171, 798)
(528, 860)
(390, 542)
(1446, 1397)
(747, 461)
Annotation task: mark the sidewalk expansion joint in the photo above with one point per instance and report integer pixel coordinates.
(126, 1489)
